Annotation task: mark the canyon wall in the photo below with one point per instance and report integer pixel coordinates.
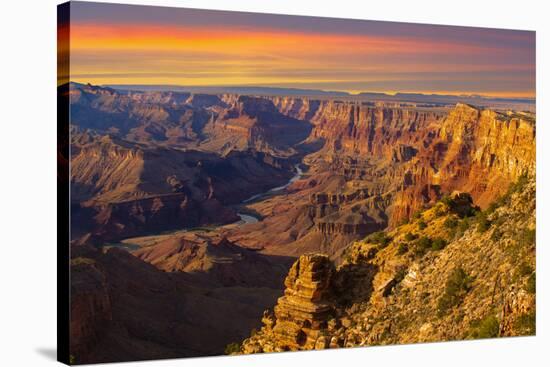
(477, 281)
(121, 188)
(420, 154)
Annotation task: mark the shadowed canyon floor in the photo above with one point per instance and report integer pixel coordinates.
(189, 210)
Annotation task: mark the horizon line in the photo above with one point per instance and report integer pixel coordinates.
(350, 93)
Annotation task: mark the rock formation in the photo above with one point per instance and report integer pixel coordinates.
(302, 313)
(424, 174)
(452, 273)
(122, 189)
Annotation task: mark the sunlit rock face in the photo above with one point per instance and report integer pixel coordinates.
(420, 154)
(302, 313)
(399, 291)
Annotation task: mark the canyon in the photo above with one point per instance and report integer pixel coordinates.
(195, 202)
(424, 281)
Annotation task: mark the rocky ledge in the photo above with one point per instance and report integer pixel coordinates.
(301, 315)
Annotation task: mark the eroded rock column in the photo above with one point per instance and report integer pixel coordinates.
(304, 309)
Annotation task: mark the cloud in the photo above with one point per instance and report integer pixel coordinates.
(153, 53)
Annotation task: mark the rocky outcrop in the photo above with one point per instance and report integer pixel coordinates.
(254, 122)
(473, 150)
(449, 274)
(348, 213)
(355, 225)
(419, 156)
(357, 129)
(302, 313)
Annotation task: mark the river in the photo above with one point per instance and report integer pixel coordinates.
(247, 218)
(131, 244)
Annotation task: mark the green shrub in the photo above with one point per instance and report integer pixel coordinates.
(463, 225)
(499, 220)
(512, 249)
(483, 223)
(439, 211)
(410, 237)
(457, 286)
(486, 328)
(438, 244)
(497, 235)
(526, 324)
(531, 285)
(422, 225)
(422, 245)
(451, 223)
(400, 274)
(447, 201)
(527, 237)
(403, 248)
(424, 242)
(232, 348)
(519, 185)
(380, 238)
(417, 215)
(524, 269)
(492, 207)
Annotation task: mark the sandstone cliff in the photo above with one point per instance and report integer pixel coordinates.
(454, 272)
(379, 165)
(414, 154)
(421, 150)
(302, 313)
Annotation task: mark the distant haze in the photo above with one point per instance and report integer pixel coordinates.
(499, 103)
(145, 45)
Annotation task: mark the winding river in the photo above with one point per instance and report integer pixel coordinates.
(247, 218)
(132, 244)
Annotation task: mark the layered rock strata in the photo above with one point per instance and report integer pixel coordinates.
(302, 313)
(448, 274)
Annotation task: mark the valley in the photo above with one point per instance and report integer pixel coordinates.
(203, 202)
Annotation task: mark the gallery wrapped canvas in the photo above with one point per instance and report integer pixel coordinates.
(236, 183)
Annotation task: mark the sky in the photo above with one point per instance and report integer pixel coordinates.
(128, 44)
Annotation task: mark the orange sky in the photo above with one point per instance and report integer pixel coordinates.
(186, 51)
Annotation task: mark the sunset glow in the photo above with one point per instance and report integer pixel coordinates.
(208, 48)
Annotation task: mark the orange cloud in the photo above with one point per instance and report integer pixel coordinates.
(220, 55)
(231, 40)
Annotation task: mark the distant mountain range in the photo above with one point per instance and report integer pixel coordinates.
(373, 96)
(246, 90)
